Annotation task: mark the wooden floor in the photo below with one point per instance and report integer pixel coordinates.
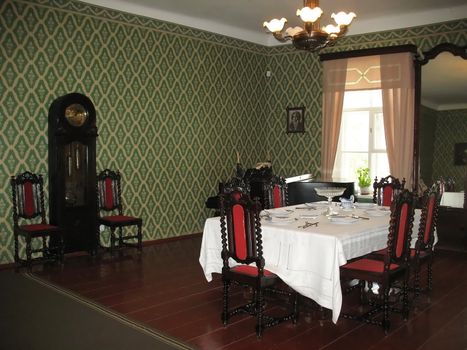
(165, 289)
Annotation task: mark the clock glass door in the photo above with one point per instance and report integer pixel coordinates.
(76, 163)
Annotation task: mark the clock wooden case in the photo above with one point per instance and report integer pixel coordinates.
(72, 170)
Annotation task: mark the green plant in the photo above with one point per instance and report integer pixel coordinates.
(363, 177)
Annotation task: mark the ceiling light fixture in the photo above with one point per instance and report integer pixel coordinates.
(311, 37)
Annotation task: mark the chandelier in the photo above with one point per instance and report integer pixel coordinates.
(311, 37)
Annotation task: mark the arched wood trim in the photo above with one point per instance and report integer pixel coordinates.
(424, 58)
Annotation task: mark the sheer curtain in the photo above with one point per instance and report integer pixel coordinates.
(394, 75)
(334, 77)
(398, 92)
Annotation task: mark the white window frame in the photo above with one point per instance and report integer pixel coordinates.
(372, 114)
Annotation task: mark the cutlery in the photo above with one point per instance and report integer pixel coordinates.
(308, 224)
(306, 208)
(359, 217)
(351, 216)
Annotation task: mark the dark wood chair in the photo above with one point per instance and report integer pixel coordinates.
(242, 242)
(29, 221)
(423, 251)
(386, 189)
(464, 225)
(235, 184)
(109, 193)
(276, 195)
(385, 270)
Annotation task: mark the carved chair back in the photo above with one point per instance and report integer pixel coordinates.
(241, 230)
(28, 197)
(430, 205)
(109, 191)
(386, 189)
(400, 229)
(276, 193)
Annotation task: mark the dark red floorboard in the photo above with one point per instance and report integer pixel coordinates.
(165, 289)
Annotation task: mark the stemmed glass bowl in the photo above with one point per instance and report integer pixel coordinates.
(330, 192)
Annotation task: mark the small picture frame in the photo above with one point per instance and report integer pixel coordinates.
(295, 120)
(460, 153)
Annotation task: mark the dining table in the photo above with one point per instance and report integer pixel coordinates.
(305, 247)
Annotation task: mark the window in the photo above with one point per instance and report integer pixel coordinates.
(361, 140)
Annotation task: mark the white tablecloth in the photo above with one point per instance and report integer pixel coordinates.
(452, 199)
(308, 259)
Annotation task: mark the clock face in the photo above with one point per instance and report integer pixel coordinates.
(76, 114)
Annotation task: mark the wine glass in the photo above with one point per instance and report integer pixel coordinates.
(330, 192)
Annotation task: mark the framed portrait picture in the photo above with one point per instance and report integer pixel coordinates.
(295, 119)
(460, 153)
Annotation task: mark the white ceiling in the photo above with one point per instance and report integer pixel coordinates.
(243, 19)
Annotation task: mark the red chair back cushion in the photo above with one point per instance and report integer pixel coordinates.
(238, 215)
(429, 219)
(29, 204)
(277, 197)
(108, 199)
(402, 230)
(387, 196)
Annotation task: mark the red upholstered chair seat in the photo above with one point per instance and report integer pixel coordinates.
(39, 228)
(369, 265)
(30, 222)
(109, 194)
(119, 218)
(384, 267)
(425, 241)
(240, 228)
(412, 252)
(251, 271)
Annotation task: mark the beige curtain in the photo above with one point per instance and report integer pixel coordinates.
(334, 77)
(398, 91)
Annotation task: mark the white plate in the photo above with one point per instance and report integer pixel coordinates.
(281, 221)
(347, 209)
(365, 205)
(277, 213)
(280, 213)
(377, 212)
(342, 220)
(308, 216)
(305, 207)
(316, 204)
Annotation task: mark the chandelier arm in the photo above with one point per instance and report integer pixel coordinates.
(343, 30)
(311, 37)
(282, 38)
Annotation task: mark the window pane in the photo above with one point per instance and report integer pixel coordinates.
(379, 139)
(379, 165)
(360, 146)
(363, 99)
(349, 162)
(354, 131)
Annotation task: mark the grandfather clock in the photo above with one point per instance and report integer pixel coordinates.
(72, 170)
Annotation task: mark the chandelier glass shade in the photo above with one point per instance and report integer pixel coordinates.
(311, 37)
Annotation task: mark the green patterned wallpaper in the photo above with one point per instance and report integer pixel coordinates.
(296, 79)
(451, 128)
(173, 103)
